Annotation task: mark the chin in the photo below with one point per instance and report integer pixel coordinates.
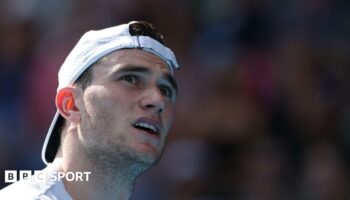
(147, 154)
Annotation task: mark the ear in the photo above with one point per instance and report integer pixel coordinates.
(65, 103)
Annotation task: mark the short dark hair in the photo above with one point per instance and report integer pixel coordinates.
(137, 28)
(145, 29)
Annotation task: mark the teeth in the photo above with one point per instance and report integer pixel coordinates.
(146, 125)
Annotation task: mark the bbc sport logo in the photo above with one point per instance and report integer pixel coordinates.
(12, 176)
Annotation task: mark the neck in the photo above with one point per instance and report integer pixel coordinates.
(102, 185)
(112, 176)
(105, 181)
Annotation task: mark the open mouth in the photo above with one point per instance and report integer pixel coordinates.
(148, 127)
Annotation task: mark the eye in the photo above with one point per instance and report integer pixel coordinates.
(166, 91)
(130, 79)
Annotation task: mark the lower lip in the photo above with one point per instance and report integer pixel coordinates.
(143, 132)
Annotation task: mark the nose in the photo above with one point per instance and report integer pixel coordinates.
(153, 100)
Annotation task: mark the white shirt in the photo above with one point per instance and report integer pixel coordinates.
(43, 189)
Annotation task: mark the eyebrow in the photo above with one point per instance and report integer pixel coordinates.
(131, 68)
(166, 76)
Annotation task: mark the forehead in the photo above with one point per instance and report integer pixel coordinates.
(134, 57)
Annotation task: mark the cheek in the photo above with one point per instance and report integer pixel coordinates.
(101, 108)
(168, 116)
(93, 101)
(107, 108)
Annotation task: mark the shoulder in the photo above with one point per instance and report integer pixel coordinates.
(36, 189)
(23, 190)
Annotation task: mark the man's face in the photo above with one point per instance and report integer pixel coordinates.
(127, 110)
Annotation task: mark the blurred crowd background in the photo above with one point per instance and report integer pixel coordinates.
(263, 111)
